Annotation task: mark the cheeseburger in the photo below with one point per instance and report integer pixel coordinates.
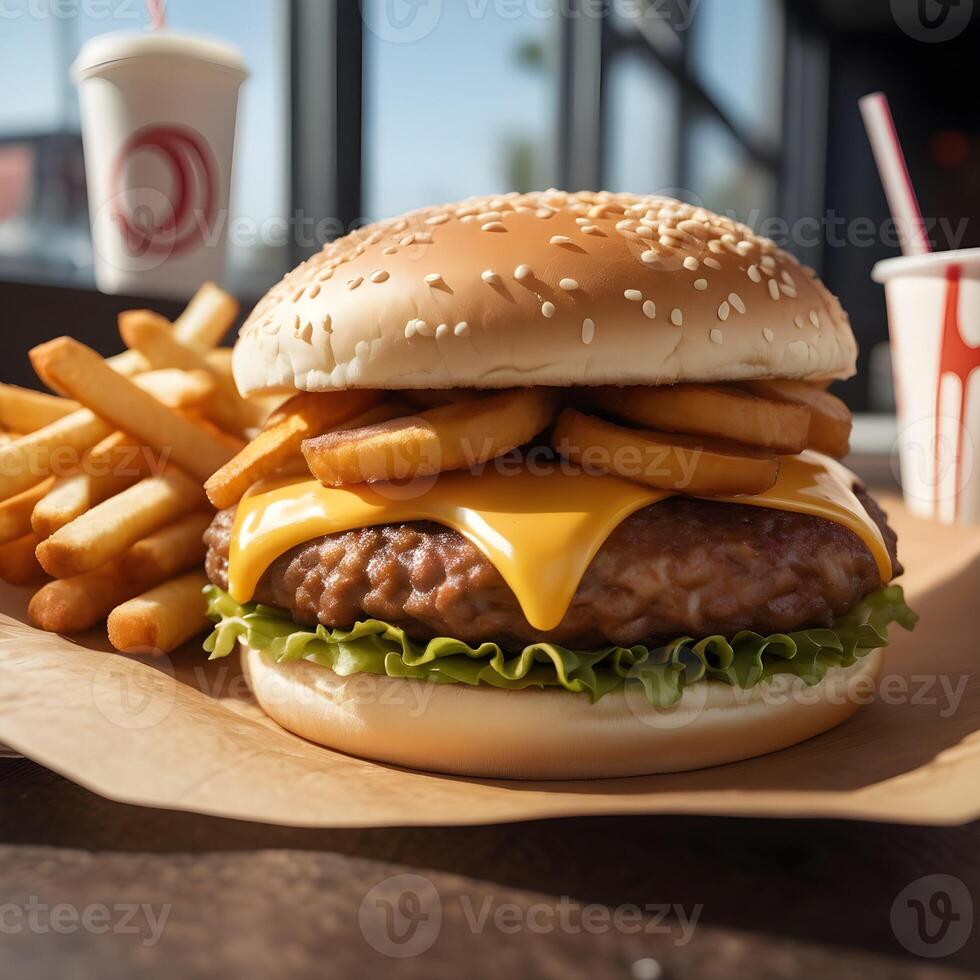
(553, 492)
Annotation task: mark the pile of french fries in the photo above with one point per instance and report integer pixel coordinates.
(101, 483)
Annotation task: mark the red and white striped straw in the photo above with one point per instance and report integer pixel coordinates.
(158, 13)
(894, 173)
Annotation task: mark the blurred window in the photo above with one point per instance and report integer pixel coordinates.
(736, 52)
(465, 103)
(642, 126)
(692, 103)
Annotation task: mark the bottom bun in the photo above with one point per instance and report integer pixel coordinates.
(549, 734)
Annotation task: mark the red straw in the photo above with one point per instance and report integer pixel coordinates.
(894, 174)
(158, 13)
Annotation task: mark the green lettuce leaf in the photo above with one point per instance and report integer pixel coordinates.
(743, 661)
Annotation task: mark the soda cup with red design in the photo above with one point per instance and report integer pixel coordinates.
(158, 115)
(934, 324)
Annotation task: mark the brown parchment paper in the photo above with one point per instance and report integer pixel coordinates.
(184, 734)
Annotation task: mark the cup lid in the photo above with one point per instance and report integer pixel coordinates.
(107, 49)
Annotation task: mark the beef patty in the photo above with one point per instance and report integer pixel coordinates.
(678, 567)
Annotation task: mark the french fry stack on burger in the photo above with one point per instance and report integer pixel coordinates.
(102, 505)
(556, 494)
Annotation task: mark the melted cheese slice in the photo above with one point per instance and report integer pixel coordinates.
(540, 530)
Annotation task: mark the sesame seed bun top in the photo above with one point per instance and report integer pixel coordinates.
(545, 289)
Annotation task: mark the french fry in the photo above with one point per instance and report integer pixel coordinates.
(302, 416)
(80, 371)
(208, 317)
(23, 410)
(162, 619)
(170, 549)
(687, 464)
(128, 362)
(451, 437)
(150, 334)
(177, 389)
(18, 561)
(15, 512)
(56, 448)
(719, 411)
(71, 605)
(108, 529)
(830, 418)
(116, 463)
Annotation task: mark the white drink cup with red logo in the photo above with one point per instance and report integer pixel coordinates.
(158, 115)
(934, 323)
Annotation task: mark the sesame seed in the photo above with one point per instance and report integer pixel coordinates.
(461, 329)
(798, 320)
(815, 318)
(724, 311)
(768, 334)
(433, 278)
(700, 285)
(426, 329)
(379, 275)
(677, 318)
(548, 309)
(442, 331)
(588, 331)
(560, 240)
(354, 283)
(625, 225)
(649, 256)
(569, 285)
(494, 226)
(789, 291)
(715, 246)
(522, 272)
(581, 222)
(717, 337)
(544, 212)
(327, 324)
(774, 289)
(489, 216)
(737, 302)
(768, 262)
(666, 241)
(591, 229)
(407, 240)
(743, 248)
(305, 333)
(788, 279)
(424, 238)
(633, 295)
(491, 277)
(753, 273)
(410, 330)
(390, 250)
(437, 219)
(645, 232)
(692, 264)
(650, 309)
(712, 263)
(315, 291)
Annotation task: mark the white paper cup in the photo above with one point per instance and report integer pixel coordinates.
(934, 322)
(158, 115)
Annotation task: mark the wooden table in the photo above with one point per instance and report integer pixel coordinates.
(777, 898)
